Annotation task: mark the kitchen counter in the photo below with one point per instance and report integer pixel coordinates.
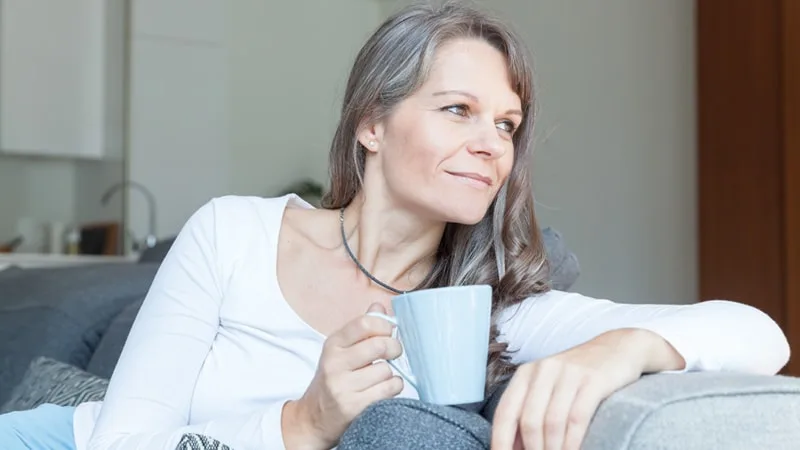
(31, 260)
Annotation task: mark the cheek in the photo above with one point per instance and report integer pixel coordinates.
(505, 165)
(405, 156)
(416, 154)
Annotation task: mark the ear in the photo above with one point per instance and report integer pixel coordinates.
(371, 136)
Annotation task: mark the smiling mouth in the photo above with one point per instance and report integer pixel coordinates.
(474, 178)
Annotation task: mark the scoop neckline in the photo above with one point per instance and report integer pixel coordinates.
(289, 198)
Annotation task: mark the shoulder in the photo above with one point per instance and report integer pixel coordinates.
(244, 206)
(228, 225)
(240, 214)
(234, 229)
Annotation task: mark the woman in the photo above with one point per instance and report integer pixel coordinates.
(254, 331)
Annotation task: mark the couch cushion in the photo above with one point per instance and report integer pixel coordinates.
(706, 410)
(61, 312)
(108, 351)
(564, 268)
(51, 381)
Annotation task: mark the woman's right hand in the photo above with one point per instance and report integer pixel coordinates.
(346, 382)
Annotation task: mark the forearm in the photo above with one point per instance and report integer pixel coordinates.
(652, 352)
(710, 335)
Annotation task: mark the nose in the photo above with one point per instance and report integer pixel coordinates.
(486, 142)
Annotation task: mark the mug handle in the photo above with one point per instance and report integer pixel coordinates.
(407, 376)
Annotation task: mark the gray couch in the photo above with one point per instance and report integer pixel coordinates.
(77, 315)
(82, 316)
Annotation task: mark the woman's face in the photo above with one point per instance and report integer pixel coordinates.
(445, 151)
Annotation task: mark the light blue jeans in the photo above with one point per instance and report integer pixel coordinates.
(48, 427)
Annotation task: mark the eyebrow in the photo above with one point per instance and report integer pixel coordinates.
(473, 98)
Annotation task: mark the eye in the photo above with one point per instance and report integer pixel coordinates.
(460, 110)
(507, 126)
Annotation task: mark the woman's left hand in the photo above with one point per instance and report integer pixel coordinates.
(549, 403)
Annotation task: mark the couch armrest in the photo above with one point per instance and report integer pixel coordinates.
(705, 410)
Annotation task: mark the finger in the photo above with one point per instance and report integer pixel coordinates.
(559, 409)
(584, 406)
(518, 442)
(370, 350)
(508, 411)
(361, 328)
(376, 307)
(383, 390)
(537, 400)
(365, 378)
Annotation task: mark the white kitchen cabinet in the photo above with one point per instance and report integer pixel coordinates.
(62, 78)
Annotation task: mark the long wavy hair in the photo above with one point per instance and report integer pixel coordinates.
(505, 248)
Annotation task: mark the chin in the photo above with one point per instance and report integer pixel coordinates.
(464, 211)
(447, 205)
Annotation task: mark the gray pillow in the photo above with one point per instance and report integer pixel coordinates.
(51, 381)
(564, 267)
(105, 357)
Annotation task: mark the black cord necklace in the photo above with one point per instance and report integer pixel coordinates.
(355, 260)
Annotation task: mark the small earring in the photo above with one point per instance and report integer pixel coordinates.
(372, 143)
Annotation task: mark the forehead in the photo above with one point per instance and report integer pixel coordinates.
(474, 66)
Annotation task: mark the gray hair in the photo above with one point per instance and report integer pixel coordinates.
(504, 249)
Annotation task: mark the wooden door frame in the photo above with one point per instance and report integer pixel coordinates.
(748, 94)
(740, 163)
(790, 28)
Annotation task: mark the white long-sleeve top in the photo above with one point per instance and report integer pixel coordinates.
(217, 350)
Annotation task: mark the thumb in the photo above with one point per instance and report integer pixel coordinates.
(376, 307)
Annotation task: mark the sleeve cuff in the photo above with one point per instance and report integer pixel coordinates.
(669, 329)
(272, 428)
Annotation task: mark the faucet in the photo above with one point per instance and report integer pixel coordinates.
(150, 240)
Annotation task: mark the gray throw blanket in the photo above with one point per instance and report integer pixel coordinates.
(200, 442)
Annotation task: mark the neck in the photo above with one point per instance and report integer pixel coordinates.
(392, 244)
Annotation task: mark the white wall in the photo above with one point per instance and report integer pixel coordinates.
(288, 63)
(238, 97)
(178, 125)
(617, 173)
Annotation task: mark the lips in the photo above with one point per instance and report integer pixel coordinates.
(473, 176)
